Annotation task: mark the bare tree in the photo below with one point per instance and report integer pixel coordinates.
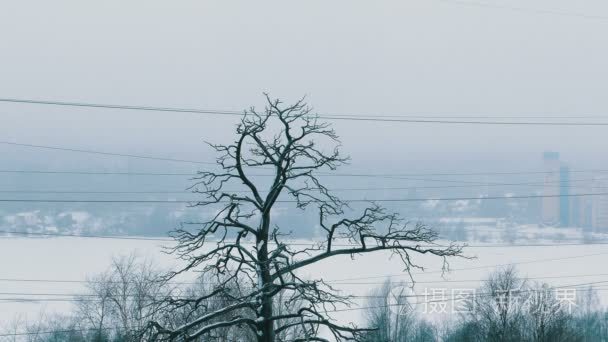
(508, 308)
(546, 319)
(199, 299)
(591, 319)
(94, 311)
(242, 248)
(495, 313)
(394, 317)
(120, 301)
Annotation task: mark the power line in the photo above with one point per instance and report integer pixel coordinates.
(293, 243)
(323, 116)
(393, 200)
(82, 297)
(444, 298)
(92, 281)
(347, 245)
(487, 294)
(386, 175)
(100, 173)
(191, 174)
(97, 192)
(341, 282)
(126, 107)
(576, 285)
(475, 280)
(105, 153)
(476, 198)
(475, 267)
(240, 113)
(81, 330)
(97, 201)
(91, 297)
(366, 175)
(89, 236)
(459, 122)
(61, 331)
(468, 185)
(326, 174)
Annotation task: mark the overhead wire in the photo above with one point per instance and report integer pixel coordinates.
(373, 118)
(472, 268)
(357, 200)
(293, 243)
(443, 281)
(562, 184)
(337, 174)
(105, 153)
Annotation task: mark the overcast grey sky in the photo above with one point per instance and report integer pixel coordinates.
(414, 57)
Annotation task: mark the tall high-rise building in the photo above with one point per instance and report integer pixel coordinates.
(560, 208)
(580, 206)
(564, 199)
(599, 208)
(550, 206)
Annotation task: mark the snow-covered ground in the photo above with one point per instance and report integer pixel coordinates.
(68, 258)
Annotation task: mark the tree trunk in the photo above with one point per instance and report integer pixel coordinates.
(266, 326)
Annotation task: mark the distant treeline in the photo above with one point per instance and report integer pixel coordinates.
(119, 304)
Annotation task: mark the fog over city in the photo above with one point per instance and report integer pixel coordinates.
(480, 124)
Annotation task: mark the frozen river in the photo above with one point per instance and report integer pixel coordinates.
(73, 259)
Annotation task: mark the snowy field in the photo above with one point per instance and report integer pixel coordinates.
(68, 258)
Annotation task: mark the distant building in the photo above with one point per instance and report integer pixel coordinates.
(564, 199)
(599, 208)
(561, 206)
(550, 206)
(580, 207)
